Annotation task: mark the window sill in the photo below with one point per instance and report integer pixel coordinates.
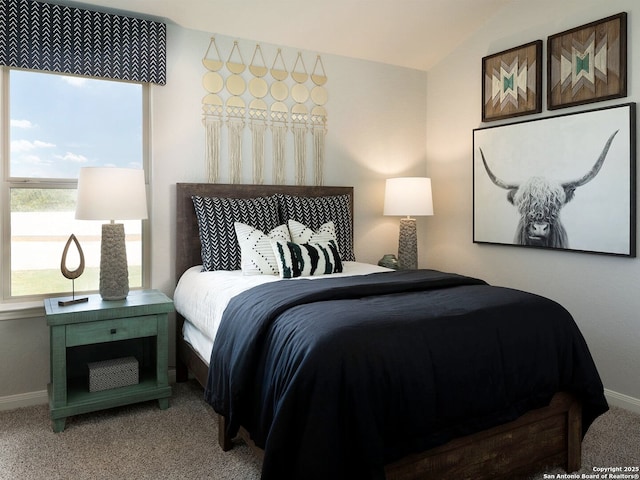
(20, 310)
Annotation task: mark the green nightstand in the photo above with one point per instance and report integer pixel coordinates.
(100, 330)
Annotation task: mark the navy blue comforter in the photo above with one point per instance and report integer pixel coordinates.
(336, 377)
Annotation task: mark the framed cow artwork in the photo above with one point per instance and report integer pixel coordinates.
(565, 182)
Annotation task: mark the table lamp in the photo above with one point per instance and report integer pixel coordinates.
(108, 193)
(408, 196)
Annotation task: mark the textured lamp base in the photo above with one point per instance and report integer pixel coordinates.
(408, 245)
(114, 273)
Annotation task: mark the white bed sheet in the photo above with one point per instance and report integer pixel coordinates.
(201, 298)
(200, 343)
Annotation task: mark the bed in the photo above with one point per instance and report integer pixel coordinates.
(543, 430)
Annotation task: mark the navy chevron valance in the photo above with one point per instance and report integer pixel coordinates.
(45, 36)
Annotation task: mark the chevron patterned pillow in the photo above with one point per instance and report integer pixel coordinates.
(316, 211)
(306, 259)
(216, 216)
(257, 257)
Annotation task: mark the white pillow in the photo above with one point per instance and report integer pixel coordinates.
(300, 233)
(314, 211)
(257, 257)
(306, 259)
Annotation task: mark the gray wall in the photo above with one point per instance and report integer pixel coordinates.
(600, 291)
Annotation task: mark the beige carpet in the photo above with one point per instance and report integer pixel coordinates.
(135, 442)
(144, 442)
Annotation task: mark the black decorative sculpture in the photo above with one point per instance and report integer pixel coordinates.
(72, 274)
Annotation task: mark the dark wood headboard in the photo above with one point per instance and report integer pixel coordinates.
(187, 234)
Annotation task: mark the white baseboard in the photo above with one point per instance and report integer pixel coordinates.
(623, 401)
(11, 402)
(30, 399)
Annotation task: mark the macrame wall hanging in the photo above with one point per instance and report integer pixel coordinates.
(212, 108)
(279, 116)
(258, 109)
(279, 106)
(299, 118)
(236, 109)
(318, 119)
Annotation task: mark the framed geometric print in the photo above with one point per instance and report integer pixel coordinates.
(587, 63)
(512, 82)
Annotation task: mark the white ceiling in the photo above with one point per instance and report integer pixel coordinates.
(408, 33)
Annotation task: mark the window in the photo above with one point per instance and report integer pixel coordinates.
(57, 124)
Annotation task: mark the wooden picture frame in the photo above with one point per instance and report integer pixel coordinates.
(565, 182)
(587, 63)
(512, 82)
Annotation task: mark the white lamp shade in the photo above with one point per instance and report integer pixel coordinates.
(108, 193)
(410, 196)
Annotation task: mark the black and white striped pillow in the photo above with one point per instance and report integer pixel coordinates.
(316, 211)
(255, 248)
(306, 259)
(216, 216)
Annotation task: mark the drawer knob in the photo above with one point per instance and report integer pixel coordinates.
(113, 331)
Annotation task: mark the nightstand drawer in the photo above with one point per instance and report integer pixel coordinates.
(111, 330)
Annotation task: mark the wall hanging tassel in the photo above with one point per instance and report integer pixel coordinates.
(257, 144)
(212, 126)
(319, 133)
(212, 121)
(236, 126)
(235, 123)
(279, 135)
(300, 152)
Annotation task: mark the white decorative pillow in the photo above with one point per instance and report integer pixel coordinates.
(306, 259)
(300, 233)
(314, 211)
(257, 257)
